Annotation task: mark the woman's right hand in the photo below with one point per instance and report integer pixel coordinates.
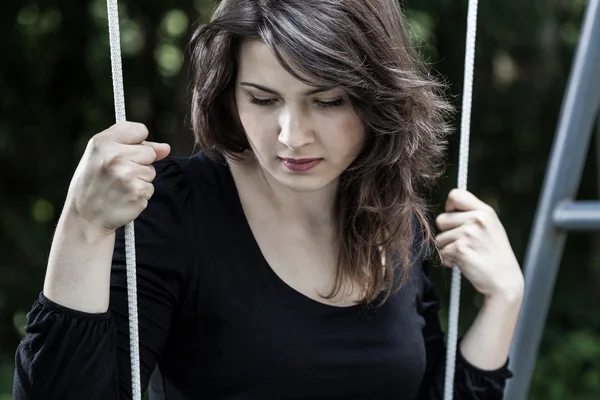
(113, 181)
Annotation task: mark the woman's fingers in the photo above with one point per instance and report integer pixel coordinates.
(463, 200)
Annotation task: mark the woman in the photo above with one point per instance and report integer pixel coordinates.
(288, 258)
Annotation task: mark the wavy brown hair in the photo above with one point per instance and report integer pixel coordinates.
(364, 48)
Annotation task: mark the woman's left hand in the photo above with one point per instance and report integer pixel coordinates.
(474, 240)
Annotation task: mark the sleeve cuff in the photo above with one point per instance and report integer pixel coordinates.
(46, 302)
(501, 373)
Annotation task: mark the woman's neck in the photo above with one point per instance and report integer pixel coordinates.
(315, 209)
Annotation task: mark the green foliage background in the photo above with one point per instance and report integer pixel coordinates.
(55, 93)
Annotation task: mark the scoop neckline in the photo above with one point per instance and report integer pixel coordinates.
(249, 235)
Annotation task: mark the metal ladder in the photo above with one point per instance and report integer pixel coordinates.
(558, 212)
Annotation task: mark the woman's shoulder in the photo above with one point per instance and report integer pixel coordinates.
(180, 175)
(191, 188)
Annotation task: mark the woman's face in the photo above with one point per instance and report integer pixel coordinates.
(302, 136)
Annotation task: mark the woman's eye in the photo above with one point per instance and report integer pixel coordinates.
(325, 104)
(334, 103)
(262, 102)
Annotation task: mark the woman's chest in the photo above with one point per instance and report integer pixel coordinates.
(254, 335)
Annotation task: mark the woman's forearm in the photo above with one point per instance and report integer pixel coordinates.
(78, 274)
(486, 344)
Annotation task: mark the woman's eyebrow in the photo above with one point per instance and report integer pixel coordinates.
(318, 89)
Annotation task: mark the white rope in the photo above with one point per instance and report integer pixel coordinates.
(463, 166)
(117, 78)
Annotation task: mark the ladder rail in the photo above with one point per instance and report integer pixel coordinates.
(565, 168)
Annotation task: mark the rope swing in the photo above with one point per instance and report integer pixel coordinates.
(117, 78)
(119, 99)
(463, 168)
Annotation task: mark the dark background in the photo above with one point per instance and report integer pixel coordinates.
(56, 92)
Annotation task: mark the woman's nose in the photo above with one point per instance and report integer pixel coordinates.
(295, 130)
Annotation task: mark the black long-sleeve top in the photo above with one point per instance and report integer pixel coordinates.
(216, 322)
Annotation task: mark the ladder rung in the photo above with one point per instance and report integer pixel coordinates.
(577, 216)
